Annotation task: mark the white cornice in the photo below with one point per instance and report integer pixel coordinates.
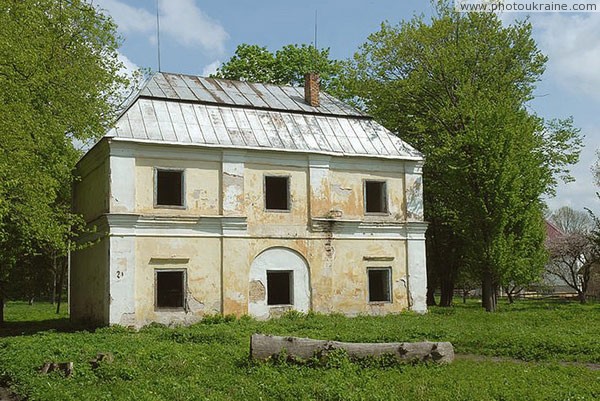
(341, 228)
(250, 148)
(170, 226)
(236, 226)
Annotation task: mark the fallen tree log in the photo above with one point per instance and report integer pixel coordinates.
(263, 347)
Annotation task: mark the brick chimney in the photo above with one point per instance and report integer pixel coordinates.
(311, 89)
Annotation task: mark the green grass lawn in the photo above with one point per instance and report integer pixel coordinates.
(209, 361)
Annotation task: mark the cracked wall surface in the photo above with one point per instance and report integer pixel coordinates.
(326, 227)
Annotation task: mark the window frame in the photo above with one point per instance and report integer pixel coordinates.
(182, 308)
(385, 201)
(291, 285)
(183, 192)
(390, 293)
(288, 193)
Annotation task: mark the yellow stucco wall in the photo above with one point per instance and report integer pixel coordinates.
(346, 193)
(338, 280)
(201, 260)
(280, 223)
(218, 263)
(201, 183)
(338, 273)
(349, 285)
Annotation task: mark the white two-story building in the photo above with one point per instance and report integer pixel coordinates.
(214, 196)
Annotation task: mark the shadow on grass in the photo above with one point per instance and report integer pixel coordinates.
(25, 328)
(547, 302)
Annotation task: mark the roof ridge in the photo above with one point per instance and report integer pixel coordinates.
(210, 90)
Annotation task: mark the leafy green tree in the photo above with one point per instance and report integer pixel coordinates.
(457, 88)
(59, 81)
(287, 66)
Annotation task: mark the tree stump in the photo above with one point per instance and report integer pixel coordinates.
(101, 357)
(263, 347)
(65, 367)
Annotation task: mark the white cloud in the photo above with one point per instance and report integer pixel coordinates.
(185, 22)
(129, 67)
(211, 68)
(572, 44)
(180, 20)
(128, 18)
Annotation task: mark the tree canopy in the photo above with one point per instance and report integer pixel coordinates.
(287, 66)
(570, 221)
(457, 89)
(59, 75)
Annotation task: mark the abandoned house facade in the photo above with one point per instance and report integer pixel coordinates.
(213, 196)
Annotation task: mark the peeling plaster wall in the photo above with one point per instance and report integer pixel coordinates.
(237, 258)
(414, 192)
(337, 283)
(201, 186)
(89, 284)
(201, 259)
(347, 193)
(279, 223)
(218, 252)
(342, 284)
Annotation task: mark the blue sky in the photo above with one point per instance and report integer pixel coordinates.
(196, 36)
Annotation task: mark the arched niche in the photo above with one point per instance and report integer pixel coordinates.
(279, 281)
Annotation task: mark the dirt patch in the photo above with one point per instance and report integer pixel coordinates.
(6, 395)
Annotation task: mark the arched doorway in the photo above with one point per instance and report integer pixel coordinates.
(279, 281)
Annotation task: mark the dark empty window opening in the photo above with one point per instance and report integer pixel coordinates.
(375, 197)
(170, 289)
(277, 193)
(169, 187)
(279, 287)
(380, 285)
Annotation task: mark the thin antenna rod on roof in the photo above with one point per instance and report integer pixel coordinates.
(314, 58)
(316, 47)
(158, 35)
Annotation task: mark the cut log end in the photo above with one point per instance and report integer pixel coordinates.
(263, 347)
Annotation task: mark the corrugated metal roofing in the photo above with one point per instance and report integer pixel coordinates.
(191, 88)
(185, 109)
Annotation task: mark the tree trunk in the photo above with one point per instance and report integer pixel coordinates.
(447, 287)
(431, 296)
(55, 276)
(1, 306)
(60, 287)
(581, 296)
(488, 292)
(509, 295)
(263, 347)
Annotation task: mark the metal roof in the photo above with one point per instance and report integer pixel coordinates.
(240, 93)
(181, 109)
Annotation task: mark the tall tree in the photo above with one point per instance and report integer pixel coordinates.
(287, 66)
(570, 221)
(59, 79)
(571, 259)
(456, 88)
